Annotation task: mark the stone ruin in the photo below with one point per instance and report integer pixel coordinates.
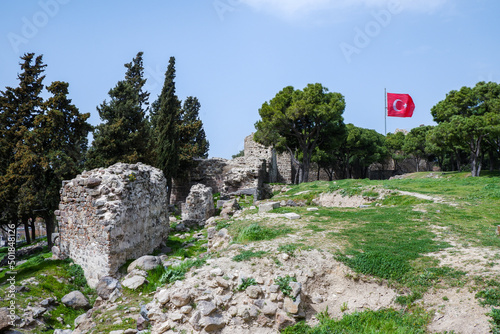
(110, 215)
(244, 175)
(199, 205)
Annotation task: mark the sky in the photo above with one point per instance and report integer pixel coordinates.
(234, 55)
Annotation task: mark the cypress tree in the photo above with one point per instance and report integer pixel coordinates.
(192, 138)
(123, 135)
(166, 133)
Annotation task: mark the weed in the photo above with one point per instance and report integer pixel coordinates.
(160, 275)
(288, 248)
(344, 307)
(284, 284)
(495, 320)
(245, 283)
(489, 297)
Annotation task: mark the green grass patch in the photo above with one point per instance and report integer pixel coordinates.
(160, 275)
(257, 232)
(246, 255)
(387, 321)
(403, 200)
(489, 296)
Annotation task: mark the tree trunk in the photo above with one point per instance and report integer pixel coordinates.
(26, 231)
(306, 164)
(169, 189)
(49, 227)
(33, 229)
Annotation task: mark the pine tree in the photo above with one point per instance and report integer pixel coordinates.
(166, 133)
(192, 138)
(123, 135)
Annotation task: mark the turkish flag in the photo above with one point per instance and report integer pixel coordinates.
(400, 105)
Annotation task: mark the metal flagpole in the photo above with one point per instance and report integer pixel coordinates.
(385, 111)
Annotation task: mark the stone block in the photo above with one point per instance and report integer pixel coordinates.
(266, 207)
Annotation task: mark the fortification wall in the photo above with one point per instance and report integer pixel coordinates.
(108, 216)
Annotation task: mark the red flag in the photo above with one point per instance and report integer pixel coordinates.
(400, 105)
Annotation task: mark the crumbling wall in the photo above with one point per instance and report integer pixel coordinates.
(110, 215)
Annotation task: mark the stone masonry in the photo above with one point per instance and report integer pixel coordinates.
(243, 175)
(108, 216)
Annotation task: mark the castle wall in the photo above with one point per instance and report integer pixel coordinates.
(108, 216)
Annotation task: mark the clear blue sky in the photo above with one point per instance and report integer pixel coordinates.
(236, 54)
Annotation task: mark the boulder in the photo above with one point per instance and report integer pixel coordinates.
(76, 300)
(266, 207)
(4, 318)
(146, 262)
(229, 208)
(212, 323)
(134, 282)
(199, 204)
(106, 286)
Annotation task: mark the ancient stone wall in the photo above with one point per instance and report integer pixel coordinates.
(209, 172)
(108, 216)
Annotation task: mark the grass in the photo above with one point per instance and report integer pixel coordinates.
(391, 240)
(246, 255)
(161, 276)
(387, 321)
(55, 278)
(258, 232)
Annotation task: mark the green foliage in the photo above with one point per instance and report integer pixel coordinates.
(495, 320)
(289, 248)
(123, 135)
(386, 321)
(352, 156)
(192, 138)
(166, 115)
(284, 284)
(299, 120)
(247, 255)
(469, 117)
(42, 142)
(239, 154)
(160, 275)
(245, 283)
(415, 144)
(489, 297)
(256, 232)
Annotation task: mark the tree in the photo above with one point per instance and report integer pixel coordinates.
(166, 130)
(415, 144)
(51, 140)
(299, 121)
(123, 136)
(59, 139)
(19, 107)
(394, 143)
(359, 149)
(467, 113)
(192, 138)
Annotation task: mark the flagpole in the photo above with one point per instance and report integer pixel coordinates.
(385, 111)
